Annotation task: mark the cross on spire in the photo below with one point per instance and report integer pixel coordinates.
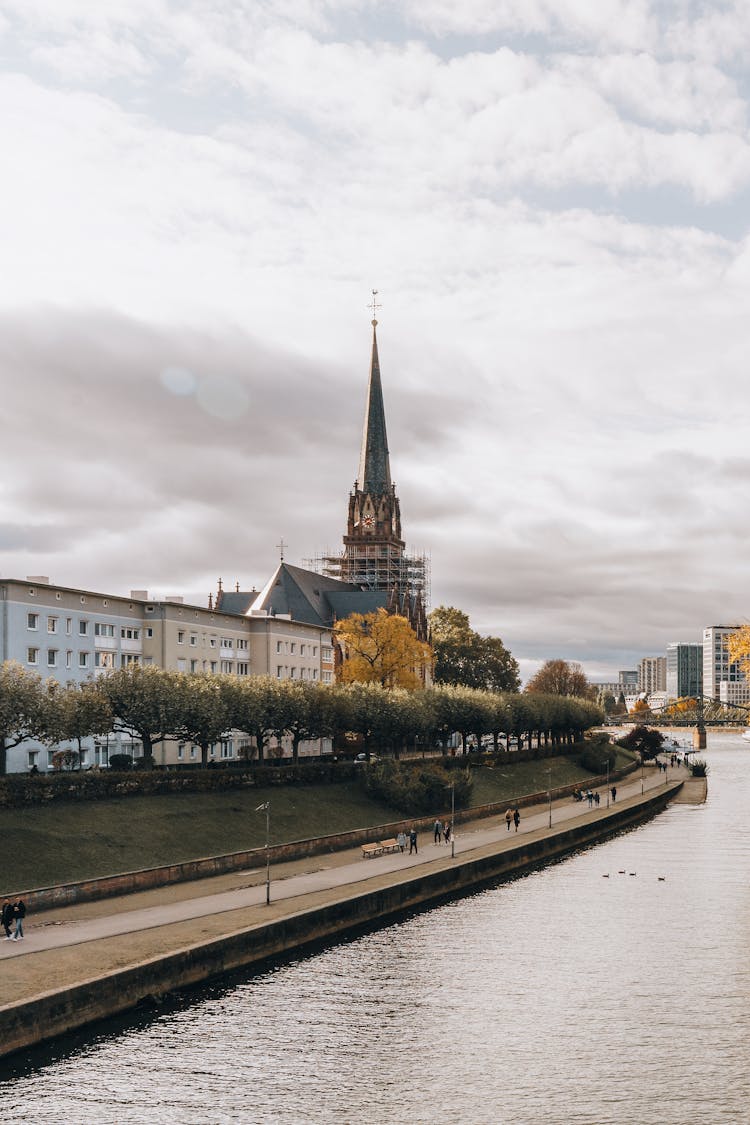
(281, 547)
(374, 306)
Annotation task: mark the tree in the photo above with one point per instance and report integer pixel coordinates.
(381, 648)
(72, 713)
(304, 710)
(253, 706)
(21, 707)
(204, 715)
(464, 657)
(145, 703)
(738, 645)
(561, 677)
(645, 740)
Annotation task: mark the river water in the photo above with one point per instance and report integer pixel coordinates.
(561, 997)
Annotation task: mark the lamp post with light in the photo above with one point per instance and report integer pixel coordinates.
(266, 807)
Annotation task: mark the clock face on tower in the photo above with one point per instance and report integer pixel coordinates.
(368, 521)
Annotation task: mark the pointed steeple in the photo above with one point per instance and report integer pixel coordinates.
(374, 474)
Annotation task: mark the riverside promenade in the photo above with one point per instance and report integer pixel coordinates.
(121, 950)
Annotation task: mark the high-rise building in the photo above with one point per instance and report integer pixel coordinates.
(652, 674)
(718, 669)
(684, 671)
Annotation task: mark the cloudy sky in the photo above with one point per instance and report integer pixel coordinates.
(552, 198)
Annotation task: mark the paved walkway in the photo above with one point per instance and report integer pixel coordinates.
(186, 912)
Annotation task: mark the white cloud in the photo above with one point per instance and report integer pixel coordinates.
(196, 208)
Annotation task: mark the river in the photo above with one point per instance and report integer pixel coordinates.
(561, 997)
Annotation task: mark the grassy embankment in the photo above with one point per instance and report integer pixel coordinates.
(62, 843)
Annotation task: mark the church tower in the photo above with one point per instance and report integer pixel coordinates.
(374, 556)
(373, 546)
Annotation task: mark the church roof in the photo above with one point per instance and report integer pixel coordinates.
(314, 598)
(374, 465)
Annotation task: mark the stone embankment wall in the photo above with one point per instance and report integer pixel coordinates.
(91, 890)
(45, 1017)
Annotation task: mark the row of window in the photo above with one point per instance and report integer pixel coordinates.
(101, 659)
(284, 672)
(224, 642)
(225, 666)
(101, 628)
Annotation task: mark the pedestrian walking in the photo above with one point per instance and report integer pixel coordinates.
(19, 913)
(413, 841)
(447, 832)
(438, 831)
(597, 799)
(401, 840)
(6, 917)
(590, 797)
(516, 817)
(614, 794)
(508, 818)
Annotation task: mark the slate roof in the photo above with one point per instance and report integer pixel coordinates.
(314, 598)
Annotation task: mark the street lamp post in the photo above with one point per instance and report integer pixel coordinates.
(607, 782)
(549, 792)
(452, 788)
(641, 776)
(266, 807)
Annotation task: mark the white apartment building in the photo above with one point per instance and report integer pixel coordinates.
(717, 667)
(72, 635)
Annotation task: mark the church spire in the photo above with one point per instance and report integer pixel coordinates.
(374, 464)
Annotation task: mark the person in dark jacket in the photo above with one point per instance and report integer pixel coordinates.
(19, 913)
(7, 918)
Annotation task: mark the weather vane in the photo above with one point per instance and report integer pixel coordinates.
(374, 306)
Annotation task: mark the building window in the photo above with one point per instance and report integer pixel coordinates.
(315, 673)
(128, 658)
(193, 639)
(52, 658)
(292, 673)
(242, 644)
(102, 629)
(83, 660)
(302, 650)
(68, 625)
(180, 636)
(51, 624)
(32, 655)
(180, 751)
(83, 628)
(293, 647)
(242, 667)
(50, 756)
(149, 632)
(104, 660)
(326, 652)
(32, 620)
(327, 677)
(212, 642)
(32, 758)
(127, 633)
(226, 666)
(193, 665)
(279, 672)
(315, 650)
(181, 665)
(192, 751)
(69, 659)
(279, 646)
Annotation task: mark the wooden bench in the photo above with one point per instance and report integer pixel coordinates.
(390, 845)
(370, 850)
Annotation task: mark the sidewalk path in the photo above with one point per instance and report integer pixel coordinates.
(83, 940)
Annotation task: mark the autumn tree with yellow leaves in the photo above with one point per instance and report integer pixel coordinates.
(738, 646)
(381, 648)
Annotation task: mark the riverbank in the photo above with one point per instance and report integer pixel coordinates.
(96, 960)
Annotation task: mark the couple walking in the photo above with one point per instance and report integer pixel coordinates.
(512, 815)
(13, 912)
(440, 829)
